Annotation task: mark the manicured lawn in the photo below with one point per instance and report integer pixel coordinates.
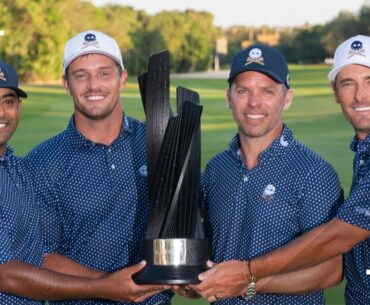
(314, 117)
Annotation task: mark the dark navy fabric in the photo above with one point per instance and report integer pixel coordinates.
(356, 211)
(251, 212)
(94, 198)
(20, 235)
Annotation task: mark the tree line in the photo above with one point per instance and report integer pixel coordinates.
(36, 31)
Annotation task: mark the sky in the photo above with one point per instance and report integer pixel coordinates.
(252, 13)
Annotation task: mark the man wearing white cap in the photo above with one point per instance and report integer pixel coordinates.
(349, 231)
(22, 280)
(93, 190)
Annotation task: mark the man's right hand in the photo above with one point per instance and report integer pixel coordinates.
(119, 286)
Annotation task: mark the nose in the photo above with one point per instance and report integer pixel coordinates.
(362, 93)
(254, 99)
(2, 110)
(92, 82)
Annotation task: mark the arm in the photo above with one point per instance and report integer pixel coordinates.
(62, 264)
(325, 275)
(230, 279)
(322, 243)
(29, 281)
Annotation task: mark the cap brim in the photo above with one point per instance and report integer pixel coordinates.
(334, 72)
(69, 61)
(19, 91)
(267, 73)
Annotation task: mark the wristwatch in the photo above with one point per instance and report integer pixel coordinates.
(251, 289)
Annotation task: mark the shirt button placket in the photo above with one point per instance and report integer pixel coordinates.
(109, 155)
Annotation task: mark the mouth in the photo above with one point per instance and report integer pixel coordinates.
(360, 109)
(95, 97)
(255, 116)
(3, 124)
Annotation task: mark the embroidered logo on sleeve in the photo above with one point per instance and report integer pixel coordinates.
(364, 211)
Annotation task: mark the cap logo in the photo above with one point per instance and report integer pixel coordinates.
(90, 40)
(255, 56)
(2, 75)
(356, 49)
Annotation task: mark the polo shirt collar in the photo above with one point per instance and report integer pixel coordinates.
(9, 156)
(79, 140)
(277, 147)
(362, 147)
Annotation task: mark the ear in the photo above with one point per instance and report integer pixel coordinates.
(20, 105)
(123, 79)
(288, 99)
(228, 98)
(66, 85)
(335, 93)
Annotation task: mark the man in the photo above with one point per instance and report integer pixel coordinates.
(94, 198)
(349, 231)
(21, 255)
(265, 190)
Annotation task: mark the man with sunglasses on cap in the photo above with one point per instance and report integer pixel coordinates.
(22, 281)
(94, 200)
(265, 190)
(349, 231)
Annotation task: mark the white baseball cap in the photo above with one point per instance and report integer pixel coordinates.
(91, 42)
(355, 50)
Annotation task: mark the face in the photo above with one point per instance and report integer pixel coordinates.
(10, 109)
(94, 82)
(352, 92)
(257, 103)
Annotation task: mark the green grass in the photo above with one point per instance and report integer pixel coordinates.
(314, 117)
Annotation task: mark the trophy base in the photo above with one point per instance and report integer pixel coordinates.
(172, 261)
(176, 275)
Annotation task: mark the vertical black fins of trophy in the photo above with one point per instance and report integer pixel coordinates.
(174, 246)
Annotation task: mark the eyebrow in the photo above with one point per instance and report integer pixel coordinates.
(367, 77)
(9, 94)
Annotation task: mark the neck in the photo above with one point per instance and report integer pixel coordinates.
(252, 147)
(3, 150)
(361, 135)
(251, 150)
(103, 131)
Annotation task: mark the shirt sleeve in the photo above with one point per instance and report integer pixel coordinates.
(46, 198)
(356, 208)
(320, 198)
(6, 249)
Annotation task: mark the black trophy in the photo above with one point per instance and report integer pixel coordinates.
(174, 246)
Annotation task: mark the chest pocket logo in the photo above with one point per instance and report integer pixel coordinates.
(269, 192)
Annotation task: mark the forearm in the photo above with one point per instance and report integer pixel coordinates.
(325, 275)
(62, 264)
(29, 281)
(314, 247)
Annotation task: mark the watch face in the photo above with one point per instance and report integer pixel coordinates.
(251, 291)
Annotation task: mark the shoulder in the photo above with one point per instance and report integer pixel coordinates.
(136, 127)
(220, 164)
(51, 149)
(308, 160)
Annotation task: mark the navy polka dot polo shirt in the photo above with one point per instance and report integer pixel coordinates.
(356, 211)
(20, 235)
(251, 212)
(94, 198)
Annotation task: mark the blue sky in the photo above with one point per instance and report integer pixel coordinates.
(253, 13)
